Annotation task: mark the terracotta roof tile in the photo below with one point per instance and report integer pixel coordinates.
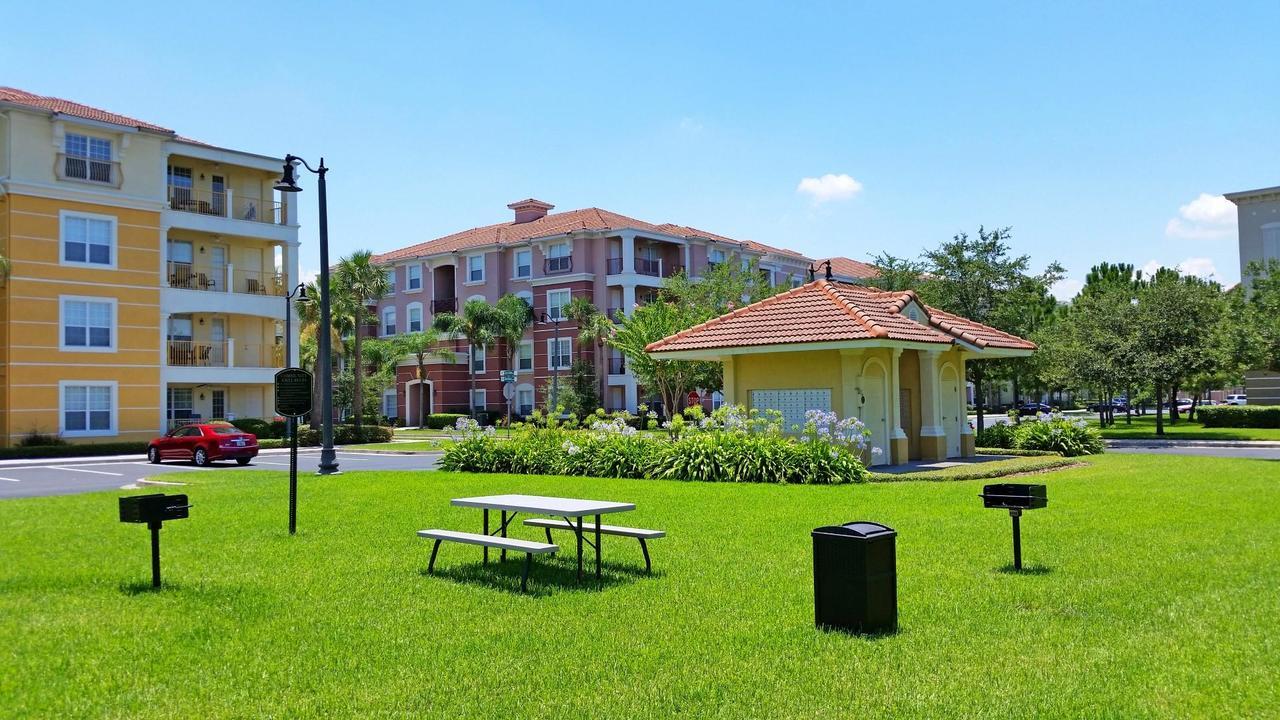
(827, 311)
(75, 109)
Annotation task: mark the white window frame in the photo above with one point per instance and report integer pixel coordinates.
(88, 158)
(559, 249)
(111, 431)
(62, 324)
(520, 356)
(409, 278)
(391, 281)
(113, 247)
(390, 395)
(553, 357)
(408, 317)
(533, 398)
(480, 399)
(557, 291)
(714, 253)
(515, 264)
(382, 326)
(477, 354)
(475, 281)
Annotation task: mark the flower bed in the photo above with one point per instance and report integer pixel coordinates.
(730, 445)
(1046, 432)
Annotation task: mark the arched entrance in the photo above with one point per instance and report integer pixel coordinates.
(874, 412)
(412, 415)
(952, 406)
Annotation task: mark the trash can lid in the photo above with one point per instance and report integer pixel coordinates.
(858, 528)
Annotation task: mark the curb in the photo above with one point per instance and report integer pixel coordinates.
(1127, 443)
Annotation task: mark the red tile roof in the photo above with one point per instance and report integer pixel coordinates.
(75, 109)
(826, 311)
(850, 268)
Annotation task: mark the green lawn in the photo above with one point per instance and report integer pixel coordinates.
(417, 446)
(1153, 593)
(989, 469)
(1144, 428)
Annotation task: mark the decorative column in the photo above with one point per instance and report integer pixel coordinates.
(729, 392)
(933, 437)
(899, 446)
(628, 256)
(968, 442)
(628, 298)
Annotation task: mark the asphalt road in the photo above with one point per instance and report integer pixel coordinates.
(64, 476)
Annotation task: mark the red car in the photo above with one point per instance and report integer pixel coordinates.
(202, 444)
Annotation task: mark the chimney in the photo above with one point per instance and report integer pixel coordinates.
(529, 209)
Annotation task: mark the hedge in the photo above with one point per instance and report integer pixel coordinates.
(440, 421)
(1016, 452)
(1239, 416)
(86, 450)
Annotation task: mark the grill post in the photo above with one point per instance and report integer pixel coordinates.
(1016, 513)
(154, 525)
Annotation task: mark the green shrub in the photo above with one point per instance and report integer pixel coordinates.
(346, 435)
(257, 426)
(999, 435)
(39, 439)
(1015, 452)
(1239, 416)
(69, 450)
(1052, 433)
(440, 421)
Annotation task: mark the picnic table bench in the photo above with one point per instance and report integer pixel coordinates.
(503, 543)
(640, 534)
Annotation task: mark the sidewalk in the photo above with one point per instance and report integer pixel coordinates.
(1182, 443)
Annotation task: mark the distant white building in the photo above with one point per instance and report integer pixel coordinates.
(1258, 213)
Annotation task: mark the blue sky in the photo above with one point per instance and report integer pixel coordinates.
(1092, 130)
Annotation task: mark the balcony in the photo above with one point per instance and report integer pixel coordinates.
(84, 169)
(225, 204)
(613, 266)
(557, 265)
(443, 305)
(207, 278)
(617, 365)
(224, 354)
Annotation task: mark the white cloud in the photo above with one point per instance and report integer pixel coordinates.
(309, 276)
(1201, 267)
(1065, 289)
(1150, 268)
(829, 187)
(690, 125)
(1208, 217)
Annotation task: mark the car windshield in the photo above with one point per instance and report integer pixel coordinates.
(225, 429)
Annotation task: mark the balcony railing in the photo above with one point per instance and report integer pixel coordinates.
(224, 353)
(617, 365)
(225, 204)
(76, 167)
(650, 267)
(208, 278)
(553, 265)
(613, 266)
(441, 305)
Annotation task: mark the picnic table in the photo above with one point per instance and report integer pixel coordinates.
(573, 511)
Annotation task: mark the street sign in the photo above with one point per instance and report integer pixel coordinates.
(508, 391)
(507, 376)
(293, 392)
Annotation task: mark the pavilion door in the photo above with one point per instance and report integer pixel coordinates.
(953, 410)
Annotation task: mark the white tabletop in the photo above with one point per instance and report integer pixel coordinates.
(564, 507)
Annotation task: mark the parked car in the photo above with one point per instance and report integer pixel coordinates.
(1184, 406)
(1033, 408)
(203, 444)
(1237, 400)
(1117, 406)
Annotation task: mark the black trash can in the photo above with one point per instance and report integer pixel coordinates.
(855, 577)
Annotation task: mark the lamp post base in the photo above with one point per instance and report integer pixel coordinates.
(328, 462)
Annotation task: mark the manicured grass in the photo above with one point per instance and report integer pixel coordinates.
(1144, 428)
(1151, 593)
(983, 471)
(417, 446)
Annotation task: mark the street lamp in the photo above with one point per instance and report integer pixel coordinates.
(288, 183)
(555, 369)
(301, 292)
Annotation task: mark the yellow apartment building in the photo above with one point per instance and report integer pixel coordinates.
(146, 275)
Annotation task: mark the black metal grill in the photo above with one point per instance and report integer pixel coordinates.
(1015, 497)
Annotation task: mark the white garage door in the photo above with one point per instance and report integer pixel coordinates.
(791, 403)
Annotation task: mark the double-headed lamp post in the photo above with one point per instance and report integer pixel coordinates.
(288, 182)
(300, 292)
(555, 368)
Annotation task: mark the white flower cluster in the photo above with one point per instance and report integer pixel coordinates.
(466, 428)
(570, 448)
(616, 426)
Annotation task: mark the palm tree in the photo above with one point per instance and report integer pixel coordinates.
(594, 327)
(514, 316)
(422, 345)
(478, 323)
(360, 283)
(309, 327)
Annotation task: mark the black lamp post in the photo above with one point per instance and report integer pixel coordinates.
(813, 273)
(301, 292)
(555, 369)
(289, 183)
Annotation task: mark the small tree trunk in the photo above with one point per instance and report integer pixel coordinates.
(1159, 410)
(422, 394)
(1173, 405)
(315, 395)
(358, 400)
(1128, 406)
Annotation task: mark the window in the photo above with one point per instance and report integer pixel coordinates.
(715, 255)
(88, 239)
(180, 187)
(88, 158)
(524, 263)
(560, 357)
(524, 358)
(88, 409)
(717, 399)
(475, 268)
(479, 399)
(415, 317)
(527, 297)
(180, 327)
(414, 275)
(389, 404)
(391, 281)
(389, 321)
(1270, 243)
(477, 359)
(524, 399)
(87, 324)
(556, 302)
(181, 403)
(558, 258)
(218, 402)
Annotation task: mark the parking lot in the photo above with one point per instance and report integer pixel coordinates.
(64, 476)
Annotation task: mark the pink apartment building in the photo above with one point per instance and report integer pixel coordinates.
(548, 258)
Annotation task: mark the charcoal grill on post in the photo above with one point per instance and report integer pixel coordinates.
(1015, 497)
(154, 510)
